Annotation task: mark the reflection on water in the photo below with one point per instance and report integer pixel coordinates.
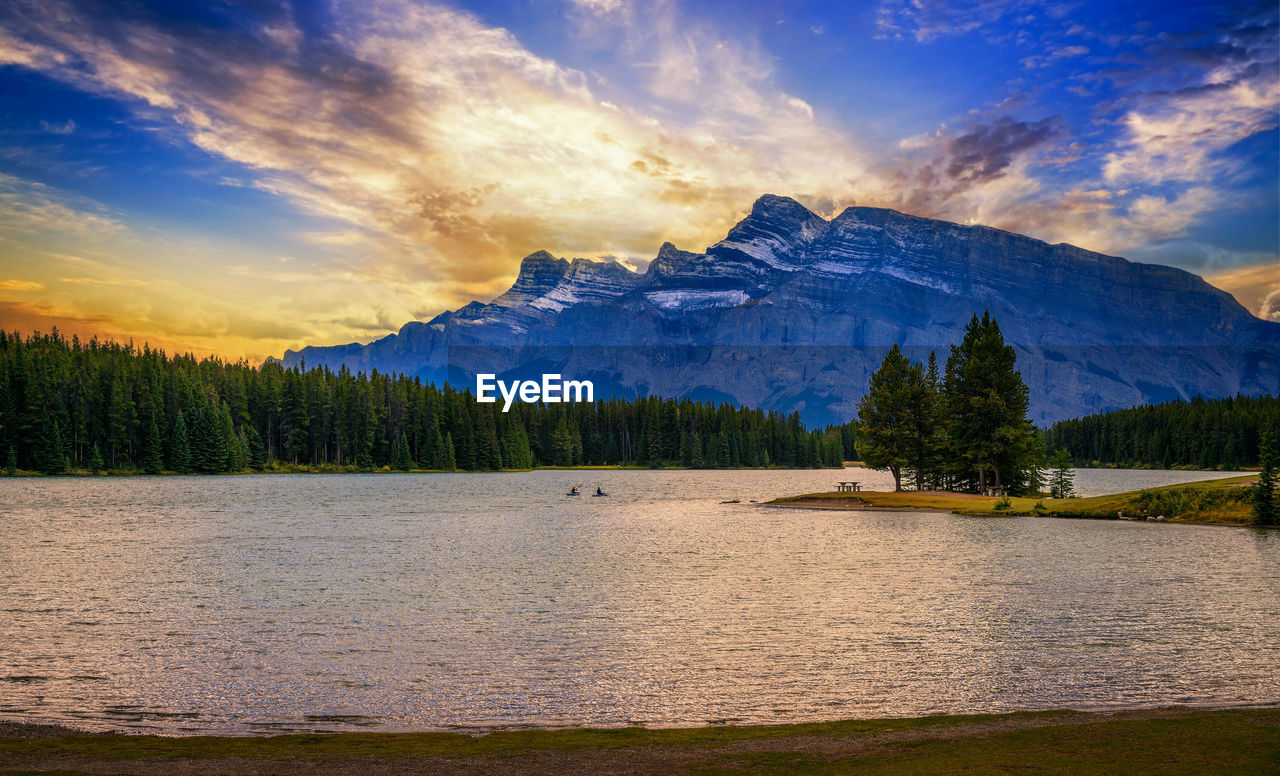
(244, 604)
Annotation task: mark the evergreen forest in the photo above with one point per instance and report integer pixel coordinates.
(1198, 434)
(68, 405)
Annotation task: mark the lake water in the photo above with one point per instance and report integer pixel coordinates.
(479, 601)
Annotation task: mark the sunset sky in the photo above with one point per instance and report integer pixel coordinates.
(266, 174)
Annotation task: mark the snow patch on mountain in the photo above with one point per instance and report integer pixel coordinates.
(696, 299)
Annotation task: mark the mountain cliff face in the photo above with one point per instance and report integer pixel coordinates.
(793, 312)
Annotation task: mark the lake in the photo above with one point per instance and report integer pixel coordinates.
(256, 604)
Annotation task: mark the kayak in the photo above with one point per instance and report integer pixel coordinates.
(598, 495)
(573, 494)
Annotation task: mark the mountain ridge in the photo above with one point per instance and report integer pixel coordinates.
(791, 311)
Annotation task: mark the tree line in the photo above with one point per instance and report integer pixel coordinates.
(960, 429)
(66, 404)
(1200, 433)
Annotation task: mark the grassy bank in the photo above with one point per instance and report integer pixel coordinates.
(1161, 741)
(1221, 501)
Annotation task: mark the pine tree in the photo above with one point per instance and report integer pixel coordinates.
(450, 458)
(121, 415)
(51, 458)
(400, 454)
(562, 444)
(986, 403)
(257, 453)
(208, 445)
(1062, 477)
(11, 463)
(95, 463)
(180, 449)
(931, 431)
(889, 415)
(152, 452)
(1266, 502)
(238, 451)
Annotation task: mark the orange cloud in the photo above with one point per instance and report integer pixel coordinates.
(1253, 286)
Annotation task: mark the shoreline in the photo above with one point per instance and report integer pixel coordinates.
(19, 727)
(1171, 739)
(1220, 503)
(318, 470)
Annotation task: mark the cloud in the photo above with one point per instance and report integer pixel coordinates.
(445, 142)
(600, 7)
(67, 127)
(85, 281)
(1063, 52)
(929, 20)
(1181, 137)
(985, 151)
(1256, 285)
(19, 285)
(1203, 97)
(121, 282)
(1269, 310)
(435, 149)
(32, 208)
(1123, 176)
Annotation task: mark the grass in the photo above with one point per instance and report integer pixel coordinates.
(1203, 744)
(1221, 501)
(118, 747)
(1176, 741)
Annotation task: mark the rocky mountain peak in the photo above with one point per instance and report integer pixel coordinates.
(772, 235)
(774, 207)
(793, 312)
(669, 261)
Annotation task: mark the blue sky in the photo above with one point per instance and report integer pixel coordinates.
(241, 177)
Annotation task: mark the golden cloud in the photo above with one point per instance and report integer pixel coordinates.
(442, 150)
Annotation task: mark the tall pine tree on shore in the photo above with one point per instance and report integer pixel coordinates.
(985, 403)
(889, 415)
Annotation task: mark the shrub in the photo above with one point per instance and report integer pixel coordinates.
(1187, 501)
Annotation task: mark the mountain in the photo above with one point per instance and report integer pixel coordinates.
(792, 312)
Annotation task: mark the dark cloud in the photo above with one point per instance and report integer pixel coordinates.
(984, 152)
(215, 55)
